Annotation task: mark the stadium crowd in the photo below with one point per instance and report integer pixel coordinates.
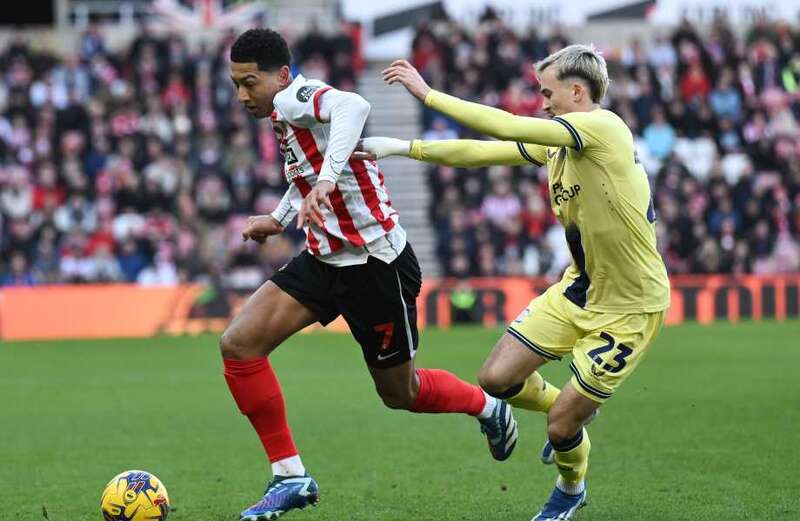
(715, 118)
(140, 165)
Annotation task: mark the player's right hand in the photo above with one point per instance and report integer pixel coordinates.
(259, 227)
(400, 71)
(374, 148)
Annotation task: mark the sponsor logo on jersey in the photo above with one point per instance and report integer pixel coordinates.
(293, 171)
(304, 93)
(562, 195)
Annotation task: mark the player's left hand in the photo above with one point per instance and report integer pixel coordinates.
(259, 227)
(311, 211)
(400, 71)
(374, 148)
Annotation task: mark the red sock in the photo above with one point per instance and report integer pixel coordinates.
(441, 391)
(258, 394)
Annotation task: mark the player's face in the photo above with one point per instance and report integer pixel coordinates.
(256, 89)
(560, 96)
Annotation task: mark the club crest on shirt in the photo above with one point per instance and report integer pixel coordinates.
(597, 371)
(522, 316)
(304, 93)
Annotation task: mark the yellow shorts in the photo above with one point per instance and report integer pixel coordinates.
(606, 347)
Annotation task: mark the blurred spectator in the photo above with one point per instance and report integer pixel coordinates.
(659, 136)
(18, 274)
(138, 165)
(161, 272)
(130, 260)
(725, 100)
(134, 165)
(440, 130)
(716, 126)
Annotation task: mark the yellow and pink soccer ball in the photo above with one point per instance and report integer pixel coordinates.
(135, 495)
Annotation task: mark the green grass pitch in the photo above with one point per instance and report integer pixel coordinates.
(708, 428)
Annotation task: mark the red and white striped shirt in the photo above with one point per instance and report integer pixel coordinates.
(363, 222)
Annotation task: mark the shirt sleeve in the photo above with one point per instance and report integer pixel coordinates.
(285, 212)
(586, 128)
(347, 113)
(470, 153)
(499, 123)
(535, 154)
(302, 107)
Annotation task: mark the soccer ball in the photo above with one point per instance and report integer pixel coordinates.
(135, 495)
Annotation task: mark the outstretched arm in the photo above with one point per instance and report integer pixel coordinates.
(486, 120)
(455, 152)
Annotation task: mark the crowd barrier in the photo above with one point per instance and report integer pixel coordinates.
(122, 310)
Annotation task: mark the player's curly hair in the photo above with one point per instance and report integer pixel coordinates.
(265, 47)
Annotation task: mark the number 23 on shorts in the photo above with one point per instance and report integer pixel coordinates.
(604, 359)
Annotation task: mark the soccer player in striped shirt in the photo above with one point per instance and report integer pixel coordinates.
(609, 306)
(357, 264)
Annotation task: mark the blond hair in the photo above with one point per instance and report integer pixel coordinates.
(580, 61)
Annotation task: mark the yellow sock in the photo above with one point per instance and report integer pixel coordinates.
(536, 394)
(573, 463)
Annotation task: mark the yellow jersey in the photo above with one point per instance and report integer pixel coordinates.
(598, 191)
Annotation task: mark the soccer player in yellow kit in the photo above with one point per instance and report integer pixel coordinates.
(610, 304)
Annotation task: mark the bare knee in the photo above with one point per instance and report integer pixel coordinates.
(234, 346)
(493, 380)
(397, 398)
(560, 429)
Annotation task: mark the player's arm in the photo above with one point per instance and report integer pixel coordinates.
(285, 212)
(456, 152)
(501, 124)
(259, 227)
(486, 120)
(347, 113)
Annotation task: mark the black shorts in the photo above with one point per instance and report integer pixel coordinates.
(377, 300)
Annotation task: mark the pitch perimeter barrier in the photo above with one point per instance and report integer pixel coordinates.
(123, 310)
(91, 311)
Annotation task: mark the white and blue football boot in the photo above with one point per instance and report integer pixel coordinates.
(561, 506)
(283, 493)
(548, 455)
(501, 431)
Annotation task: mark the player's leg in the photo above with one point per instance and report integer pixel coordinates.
(378, 300)
(539, 334)
(570, 441)
(439, 391)
(427, 390)
(510, 373)
(278, 309)
(603, 359)
(267, 319)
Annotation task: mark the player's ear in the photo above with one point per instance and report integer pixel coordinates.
(578, 91)
(284, 75)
